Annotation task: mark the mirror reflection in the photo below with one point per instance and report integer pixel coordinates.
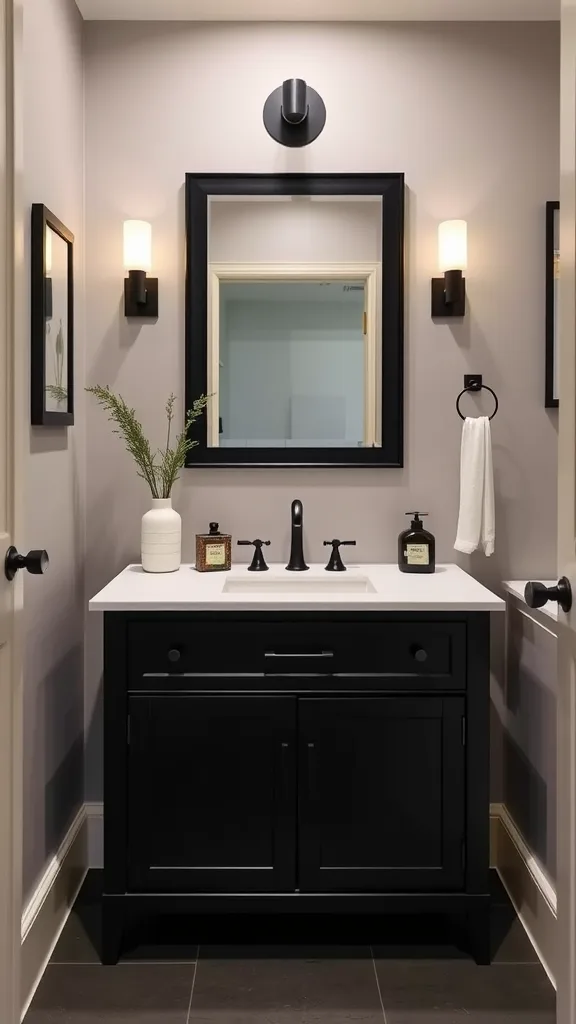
(291, 363)
(56, 313)
(293, 330)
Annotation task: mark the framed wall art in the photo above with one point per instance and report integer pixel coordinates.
(552, 302)
(52, 320)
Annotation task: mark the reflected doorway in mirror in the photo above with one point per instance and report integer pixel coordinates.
(292, 356)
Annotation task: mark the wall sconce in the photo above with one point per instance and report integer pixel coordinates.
(294, 114)
(449, 292)
(47, 272)
(140, 291)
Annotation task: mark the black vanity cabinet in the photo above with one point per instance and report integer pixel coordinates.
(381, 793)
(291, 762)
(211, 793)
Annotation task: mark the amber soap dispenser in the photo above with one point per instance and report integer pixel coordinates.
(416, 547)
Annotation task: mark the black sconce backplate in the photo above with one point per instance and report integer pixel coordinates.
(147, 309)
(441, 308)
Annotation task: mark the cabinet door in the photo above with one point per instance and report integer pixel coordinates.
(212, 793)
(381, 797)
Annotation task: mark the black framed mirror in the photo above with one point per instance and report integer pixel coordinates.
(552, 303)
(52, 320)
(294, 318)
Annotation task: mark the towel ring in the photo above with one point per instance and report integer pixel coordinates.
(483, 387)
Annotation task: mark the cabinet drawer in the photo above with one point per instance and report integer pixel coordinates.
(400, 653)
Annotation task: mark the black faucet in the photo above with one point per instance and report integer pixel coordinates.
(296, 563)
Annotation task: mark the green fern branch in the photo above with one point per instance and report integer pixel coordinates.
(160, 469)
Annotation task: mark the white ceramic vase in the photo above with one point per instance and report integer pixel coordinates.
(161, 537)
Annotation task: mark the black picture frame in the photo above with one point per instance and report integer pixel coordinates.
(550, 398)
(41, 301)
(390, 189)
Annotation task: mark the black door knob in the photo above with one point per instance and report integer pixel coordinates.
(174, 655)
(35, 562)
(537, 594)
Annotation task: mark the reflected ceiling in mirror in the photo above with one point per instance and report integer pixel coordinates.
(295, 229)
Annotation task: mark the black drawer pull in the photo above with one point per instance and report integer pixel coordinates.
(174, 655)
(299, 654)
(418, 653)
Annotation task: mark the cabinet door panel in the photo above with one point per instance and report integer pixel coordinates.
(212, 793)
(381, 793)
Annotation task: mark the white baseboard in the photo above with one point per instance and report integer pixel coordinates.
(48, 908)
(95, 818)
(527, 884)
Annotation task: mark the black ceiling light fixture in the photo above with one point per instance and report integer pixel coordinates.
(294, 114)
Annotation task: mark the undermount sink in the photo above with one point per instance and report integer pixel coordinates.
(300, 584)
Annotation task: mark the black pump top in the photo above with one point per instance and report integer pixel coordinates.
(416, 522)
(214, 531)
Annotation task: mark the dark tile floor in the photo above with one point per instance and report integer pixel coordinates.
(257, 971)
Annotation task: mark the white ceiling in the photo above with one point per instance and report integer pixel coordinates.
(320, 10)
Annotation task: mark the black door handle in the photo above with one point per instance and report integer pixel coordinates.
(537, 594)
(35, 561)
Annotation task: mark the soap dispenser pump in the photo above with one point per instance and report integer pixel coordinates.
(416, 547)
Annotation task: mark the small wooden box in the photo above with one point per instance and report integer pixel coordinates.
(213, 550)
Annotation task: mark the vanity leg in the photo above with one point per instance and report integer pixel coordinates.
(478, 928)
(112, 930)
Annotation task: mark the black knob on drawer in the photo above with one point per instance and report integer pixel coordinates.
(174, 655)
(418, 653)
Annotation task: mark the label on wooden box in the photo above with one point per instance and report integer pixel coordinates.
(215, 554)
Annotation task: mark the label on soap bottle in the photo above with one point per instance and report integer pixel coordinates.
(417, 554)
(216, 554)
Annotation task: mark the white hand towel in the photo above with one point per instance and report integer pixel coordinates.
(476, 520)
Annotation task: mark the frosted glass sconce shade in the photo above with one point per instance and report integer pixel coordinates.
(140, 291)
(449, 292)
(137, 245)
(452, 245)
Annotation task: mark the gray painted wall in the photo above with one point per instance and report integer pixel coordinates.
(55, 472)
(495, 166)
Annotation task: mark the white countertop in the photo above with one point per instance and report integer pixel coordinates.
(516, 588)
(448, 589)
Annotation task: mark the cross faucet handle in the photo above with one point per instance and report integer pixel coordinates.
(335, 563)
(258, 563)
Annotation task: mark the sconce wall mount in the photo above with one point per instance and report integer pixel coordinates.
(140, 294)
(294, 114)
(449, 292)
(140, 291)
